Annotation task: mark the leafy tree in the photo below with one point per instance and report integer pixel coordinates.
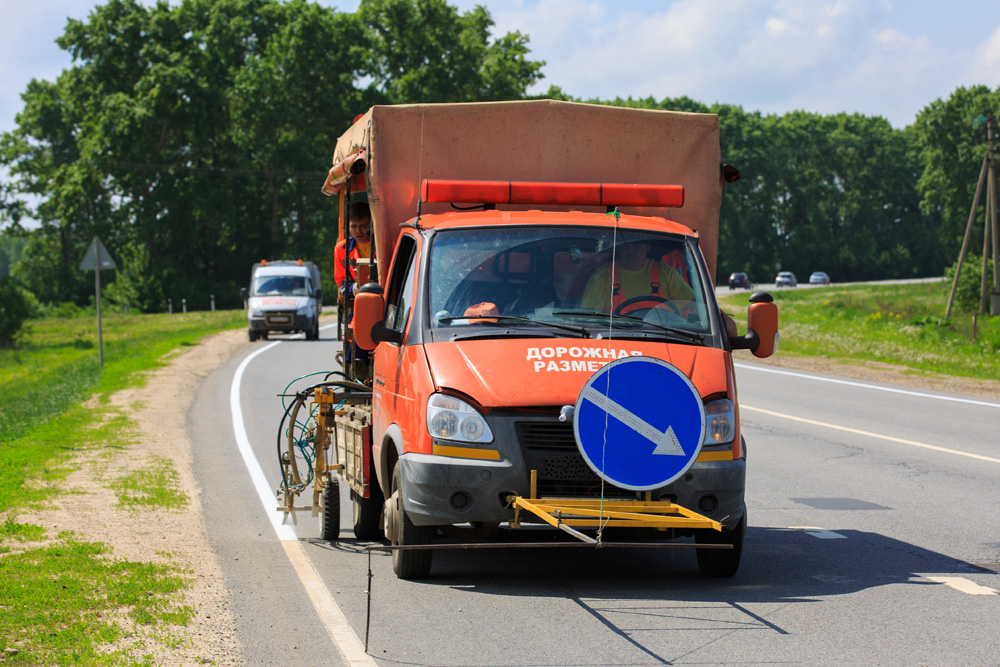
(426, 51)
(192, 138)
(951, 137)
(16, 306)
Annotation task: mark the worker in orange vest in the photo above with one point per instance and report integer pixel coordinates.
(356, 245)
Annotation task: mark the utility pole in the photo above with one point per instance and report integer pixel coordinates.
(987, 175)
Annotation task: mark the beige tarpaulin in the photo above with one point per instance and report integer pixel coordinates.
(541, 140)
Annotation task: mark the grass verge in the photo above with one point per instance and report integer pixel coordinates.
(897, 324)
(64, 600)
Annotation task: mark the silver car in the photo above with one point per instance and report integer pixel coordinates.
(785, 279)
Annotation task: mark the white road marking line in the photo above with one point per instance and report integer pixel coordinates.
(326, 607)
(821, 533)
(763, 369)
(264, 491)
(963, 585)
(329, 612)
(912, 443)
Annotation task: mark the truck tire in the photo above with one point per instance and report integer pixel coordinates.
(368, 514)
(408, 564)
(722, 562)
(313, 333)
(329, 520)
(252, 335)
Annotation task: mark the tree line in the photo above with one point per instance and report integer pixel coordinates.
(192, 139)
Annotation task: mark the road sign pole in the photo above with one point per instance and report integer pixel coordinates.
(97, 301)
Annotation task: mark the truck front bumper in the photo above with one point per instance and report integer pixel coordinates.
(442, 490)
(280, 322)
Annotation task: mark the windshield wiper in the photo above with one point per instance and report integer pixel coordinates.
(683, 333)
(582, 331)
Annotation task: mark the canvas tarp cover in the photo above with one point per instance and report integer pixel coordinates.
(540, 140)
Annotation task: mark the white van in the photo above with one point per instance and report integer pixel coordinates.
(284, 297)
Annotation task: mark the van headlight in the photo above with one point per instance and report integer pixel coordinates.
(304, 311)
(720, 422)
(256, 312)
(450, 418)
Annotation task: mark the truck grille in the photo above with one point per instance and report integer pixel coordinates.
(550, 448)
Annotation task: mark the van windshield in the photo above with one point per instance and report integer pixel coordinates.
(582, 276)
(280, 286)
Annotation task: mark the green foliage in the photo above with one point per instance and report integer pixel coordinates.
(156, 485)
(60, 601)
(969, 292)
(192, 137)
(17, 305)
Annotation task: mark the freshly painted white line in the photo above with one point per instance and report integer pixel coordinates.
(765, 369)
(329, 612)
(964, 585)
(821, 533)
(871, 435)
(264, 491)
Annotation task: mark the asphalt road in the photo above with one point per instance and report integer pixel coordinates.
(873, 539)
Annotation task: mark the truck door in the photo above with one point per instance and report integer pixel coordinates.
(394, 401)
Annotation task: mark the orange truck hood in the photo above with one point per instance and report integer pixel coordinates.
(526, 372)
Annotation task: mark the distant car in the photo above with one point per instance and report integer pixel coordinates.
(739, 279)
(819, 278)
(785, 279)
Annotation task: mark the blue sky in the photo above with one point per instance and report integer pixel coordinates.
(876, 57)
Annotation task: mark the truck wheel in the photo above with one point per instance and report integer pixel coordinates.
(408, 564)
(252, 335)
(329, 520)
(722, 562)
(313, 333)
(368, 514)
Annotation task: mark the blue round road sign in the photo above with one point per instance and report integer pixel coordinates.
(639, 423)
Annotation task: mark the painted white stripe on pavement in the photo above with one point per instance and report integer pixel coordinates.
(329, 612)
(963, 585)
(872, 435)
(264, 491)
(766, 369)
(821, 533)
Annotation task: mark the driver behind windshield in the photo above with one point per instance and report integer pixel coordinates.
(635, 275)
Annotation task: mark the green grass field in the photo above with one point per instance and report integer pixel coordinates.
(60, 595)
(897, 324)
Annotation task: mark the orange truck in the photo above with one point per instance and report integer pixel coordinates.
(537, 340)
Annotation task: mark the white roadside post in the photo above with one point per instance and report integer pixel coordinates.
(96, 258)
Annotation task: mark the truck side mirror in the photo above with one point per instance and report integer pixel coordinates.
(243, 295)
(762, 324)
(369, 309)
(318, 294)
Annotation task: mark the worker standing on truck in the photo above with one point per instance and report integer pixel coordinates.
(356, 245)
(634, 274)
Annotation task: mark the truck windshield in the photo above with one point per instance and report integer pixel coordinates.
(580, 276)
(280, 286)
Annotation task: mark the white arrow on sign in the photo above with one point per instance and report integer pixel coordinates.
(666, 443)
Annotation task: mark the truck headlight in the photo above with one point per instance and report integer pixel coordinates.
(303, 311)
(256, 312)
(450, 418)
(720, 422)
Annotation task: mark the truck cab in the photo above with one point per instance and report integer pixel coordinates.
(484, 338)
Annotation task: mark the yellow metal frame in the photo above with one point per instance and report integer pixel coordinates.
(570, 513)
